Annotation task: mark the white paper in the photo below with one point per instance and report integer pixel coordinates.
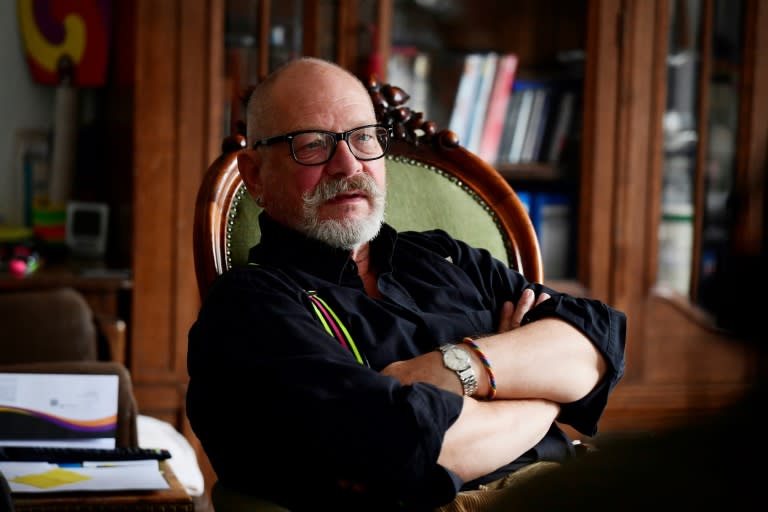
(78, 410)
(119, 477)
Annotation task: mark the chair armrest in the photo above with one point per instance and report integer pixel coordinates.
(113, 330)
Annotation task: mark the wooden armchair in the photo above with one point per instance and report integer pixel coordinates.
(432, 182)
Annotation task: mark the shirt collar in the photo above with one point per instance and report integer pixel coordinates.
(283, 247)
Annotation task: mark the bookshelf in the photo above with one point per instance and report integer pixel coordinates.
(528, 129)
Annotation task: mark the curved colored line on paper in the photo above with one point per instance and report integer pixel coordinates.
(96, 425)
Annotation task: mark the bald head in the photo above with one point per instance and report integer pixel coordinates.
(305, 91)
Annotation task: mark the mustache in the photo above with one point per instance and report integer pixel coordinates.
(331, 187)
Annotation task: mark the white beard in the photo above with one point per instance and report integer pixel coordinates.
(347, 233)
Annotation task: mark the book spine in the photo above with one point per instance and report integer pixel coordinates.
(544, 125)
(508, 132)
(408, 68)
(521, 125)
(465, 97)
(484, 87)
(420, 93)
(562, 124)
(552, 215)
(532, 130)
(497, 108)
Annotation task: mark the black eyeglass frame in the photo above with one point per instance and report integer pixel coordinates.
(337, 136)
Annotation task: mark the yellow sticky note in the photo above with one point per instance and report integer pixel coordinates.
(52, 478)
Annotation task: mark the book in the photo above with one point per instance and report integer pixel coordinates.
(445, 69)
(535, 121)
(463, 105)
(420, 89)
(544, 126)
(484, 87)
(521, 124)
(551, 214)
(408, 68)
(400, 67)
(510, 122)
(561, 126)
(498, 102)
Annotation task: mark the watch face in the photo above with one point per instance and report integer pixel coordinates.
(456, 358)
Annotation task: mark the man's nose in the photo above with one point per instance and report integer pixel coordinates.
(343, 161)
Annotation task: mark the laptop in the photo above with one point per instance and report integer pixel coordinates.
(58, 410)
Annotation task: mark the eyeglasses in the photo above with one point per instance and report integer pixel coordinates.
(316, 147)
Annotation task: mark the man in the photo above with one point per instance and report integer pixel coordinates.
(380, 419)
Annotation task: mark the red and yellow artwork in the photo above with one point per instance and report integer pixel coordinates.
(56, 29)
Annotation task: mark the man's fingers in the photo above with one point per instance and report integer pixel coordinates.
(523, 306)
(511, 315)
(505, 320)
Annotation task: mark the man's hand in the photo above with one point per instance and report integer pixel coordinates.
(512, 315)
(424, 368)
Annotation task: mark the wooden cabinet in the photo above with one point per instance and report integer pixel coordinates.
(680, 361)
(176, 77)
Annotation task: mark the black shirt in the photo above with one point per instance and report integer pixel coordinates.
(285, 412)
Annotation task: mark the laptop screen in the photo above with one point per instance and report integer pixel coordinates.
(52, 409)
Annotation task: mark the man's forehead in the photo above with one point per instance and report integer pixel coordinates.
(317, 111)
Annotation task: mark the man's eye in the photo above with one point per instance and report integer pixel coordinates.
(363, 139)
(311, 145)
(315, 144)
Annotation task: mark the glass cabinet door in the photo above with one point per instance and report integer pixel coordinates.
(700, 127)
(507, 79)
(260, 35)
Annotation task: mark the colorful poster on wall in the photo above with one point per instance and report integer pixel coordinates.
(75, 29)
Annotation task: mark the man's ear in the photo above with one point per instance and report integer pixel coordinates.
(249, 165)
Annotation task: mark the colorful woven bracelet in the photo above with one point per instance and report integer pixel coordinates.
(489, 370)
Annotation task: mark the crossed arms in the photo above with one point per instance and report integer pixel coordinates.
(538, 366)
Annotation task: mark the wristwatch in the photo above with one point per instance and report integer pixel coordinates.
(457, 359)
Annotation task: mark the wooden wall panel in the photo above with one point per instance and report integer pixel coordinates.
(636, 125)
(194, 128)
(155, 140)
(634, 133)
(598, 156)
(177, 72)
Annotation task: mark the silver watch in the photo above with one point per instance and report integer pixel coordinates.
(457, 359)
